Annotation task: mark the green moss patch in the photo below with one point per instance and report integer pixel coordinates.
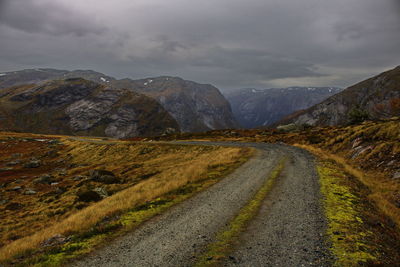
(358, 232)
(349, 237)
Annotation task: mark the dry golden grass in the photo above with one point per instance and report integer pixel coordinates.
(170, 167)
(381, 189)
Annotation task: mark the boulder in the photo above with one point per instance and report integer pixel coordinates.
(103, 176)
(44, 179)
(396, 175)
(30, 191)
(32, 164)
(89, 195)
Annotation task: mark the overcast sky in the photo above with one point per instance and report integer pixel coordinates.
(228, 43)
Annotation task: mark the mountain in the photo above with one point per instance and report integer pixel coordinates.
(35, 76)
(196, 107)
(374, 98)
(263, 107)
(76, 106)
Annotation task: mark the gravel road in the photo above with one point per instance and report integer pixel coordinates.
(287, 231)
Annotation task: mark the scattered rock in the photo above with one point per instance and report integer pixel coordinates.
(32, 164)
(101, 191)
(103, 176)
(79, 178)
(88, 195)
(55, 240)
(3, 201)
(233, 259)
(13, 163)
(44, 179)
(59, 190)
(16, 188)
(30, 192)
(54, 142)
(396, 175)
(6, 169)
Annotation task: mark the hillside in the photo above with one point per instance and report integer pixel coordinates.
(77, 106)
(374, 98)
(196, 107)
(255, 107)
(61, 196)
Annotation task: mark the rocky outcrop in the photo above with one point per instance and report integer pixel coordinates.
(374, 98)
(255, 107)
(79, 106)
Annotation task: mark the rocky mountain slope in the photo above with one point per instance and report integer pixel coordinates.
(78, 106)
(374, 98)
(196, 107)
(255, 107)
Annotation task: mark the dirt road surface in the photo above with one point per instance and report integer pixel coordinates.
(288, 231)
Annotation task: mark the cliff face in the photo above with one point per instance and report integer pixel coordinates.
(255, 107)
(80, 107)
(374, 98)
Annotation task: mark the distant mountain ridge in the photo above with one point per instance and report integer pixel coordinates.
(196, 107)
(375, 98)
(262, 107)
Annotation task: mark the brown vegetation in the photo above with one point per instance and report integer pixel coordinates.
(47, 199)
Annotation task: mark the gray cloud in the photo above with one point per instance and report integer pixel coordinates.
(50, 17)
(230, 43)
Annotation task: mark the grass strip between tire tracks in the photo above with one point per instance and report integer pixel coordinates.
(226, 239)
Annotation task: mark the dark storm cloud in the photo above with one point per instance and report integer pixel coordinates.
(230, 43)
(50, 17)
